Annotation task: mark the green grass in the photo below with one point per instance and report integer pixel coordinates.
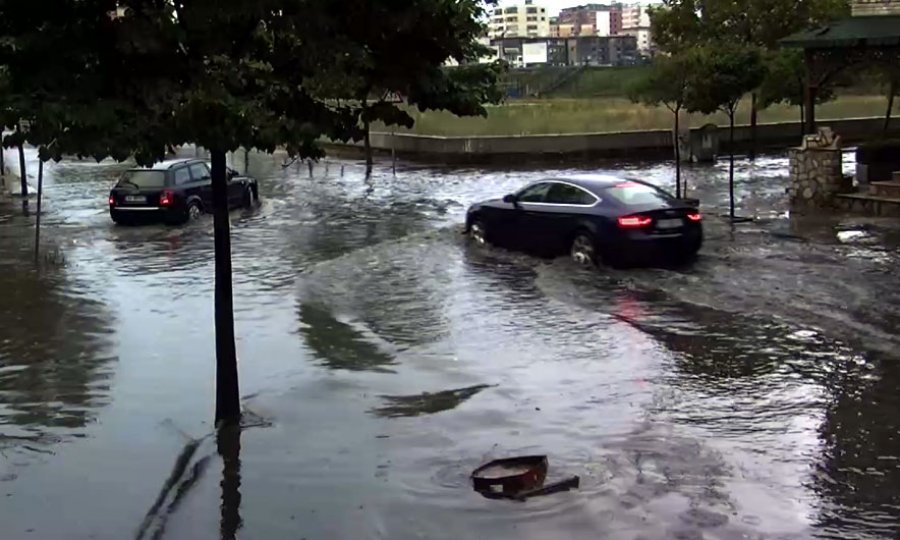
(543, 116)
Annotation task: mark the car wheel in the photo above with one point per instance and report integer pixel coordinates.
(249, 197)
(194, 211)
(478, 232)
(584, 249)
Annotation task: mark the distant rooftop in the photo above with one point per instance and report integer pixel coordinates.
(859, 31)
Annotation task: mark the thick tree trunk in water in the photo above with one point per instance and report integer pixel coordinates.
(677, 156)
(37, 222)
(731, 164)
(753, 122)
(892, 89)
(367, 143)
(228, 406)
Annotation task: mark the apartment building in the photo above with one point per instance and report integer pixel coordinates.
(588, 20)
(636, 22)
(525, 19)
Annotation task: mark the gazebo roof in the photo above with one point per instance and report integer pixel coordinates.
(872, 31)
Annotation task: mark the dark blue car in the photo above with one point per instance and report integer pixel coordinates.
(595, 219)
(174, 192)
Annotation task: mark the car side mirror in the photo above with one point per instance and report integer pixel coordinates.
(511, 199)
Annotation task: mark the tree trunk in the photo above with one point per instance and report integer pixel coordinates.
(892, 89)
(753, 121)
(802, 122)
(246, 161)
(37, 222)
(677, 155)
(228, 406)
(731, 164)
(228, 443)
(367, 144)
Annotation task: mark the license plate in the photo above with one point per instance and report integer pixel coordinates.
(669, 223)
(135, 199)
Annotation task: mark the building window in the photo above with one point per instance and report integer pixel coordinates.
(511, 10)
(532, 19)
(532, 28)
(531, 10)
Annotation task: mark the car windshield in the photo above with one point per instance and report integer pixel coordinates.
(637, 194)
(142, 179)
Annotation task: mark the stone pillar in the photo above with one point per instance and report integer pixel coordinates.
(816, 176)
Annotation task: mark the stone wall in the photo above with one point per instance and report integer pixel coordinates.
(816, 177)
(637, 144)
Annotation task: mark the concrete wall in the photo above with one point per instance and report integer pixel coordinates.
(644, 144)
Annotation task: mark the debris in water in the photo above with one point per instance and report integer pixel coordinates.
(518, 478)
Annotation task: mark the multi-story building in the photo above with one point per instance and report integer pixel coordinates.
(636, 22)
(526, 19)
(590, 20)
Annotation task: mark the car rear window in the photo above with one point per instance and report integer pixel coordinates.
(635, 194)
(142, 179)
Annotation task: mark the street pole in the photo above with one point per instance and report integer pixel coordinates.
(37, 223)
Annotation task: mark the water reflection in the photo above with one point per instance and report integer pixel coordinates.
(342, 344)
(228, 444)
(55, 353)
(426, 402)
(858, 473)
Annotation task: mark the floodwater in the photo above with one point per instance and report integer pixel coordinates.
(753, 395)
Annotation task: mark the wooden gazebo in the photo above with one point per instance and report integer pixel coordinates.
(870, 36)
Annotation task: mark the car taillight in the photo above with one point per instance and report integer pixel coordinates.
(167, 198)
(694, 216)
(112, 200)
(635, 222)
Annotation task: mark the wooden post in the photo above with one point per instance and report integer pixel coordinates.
(731, 164)
(37, 222)
(677, 153)
(23, 175)
(809, 98)
(754, 118)
(246, 160)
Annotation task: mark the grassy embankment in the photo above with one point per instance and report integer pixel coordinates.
(595, 101)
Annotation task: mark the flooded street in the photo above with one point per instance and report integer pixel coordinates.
(753, 395)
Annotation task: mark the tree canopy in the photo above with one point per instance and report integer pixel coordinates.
(678, 24)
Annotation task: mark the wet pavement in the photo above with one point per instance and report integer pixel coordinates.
(752, 395)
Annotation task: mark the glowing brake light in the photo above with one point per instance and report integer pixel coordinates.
(694, 216)
(167, 198)
(634, 222)
(112, 200)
